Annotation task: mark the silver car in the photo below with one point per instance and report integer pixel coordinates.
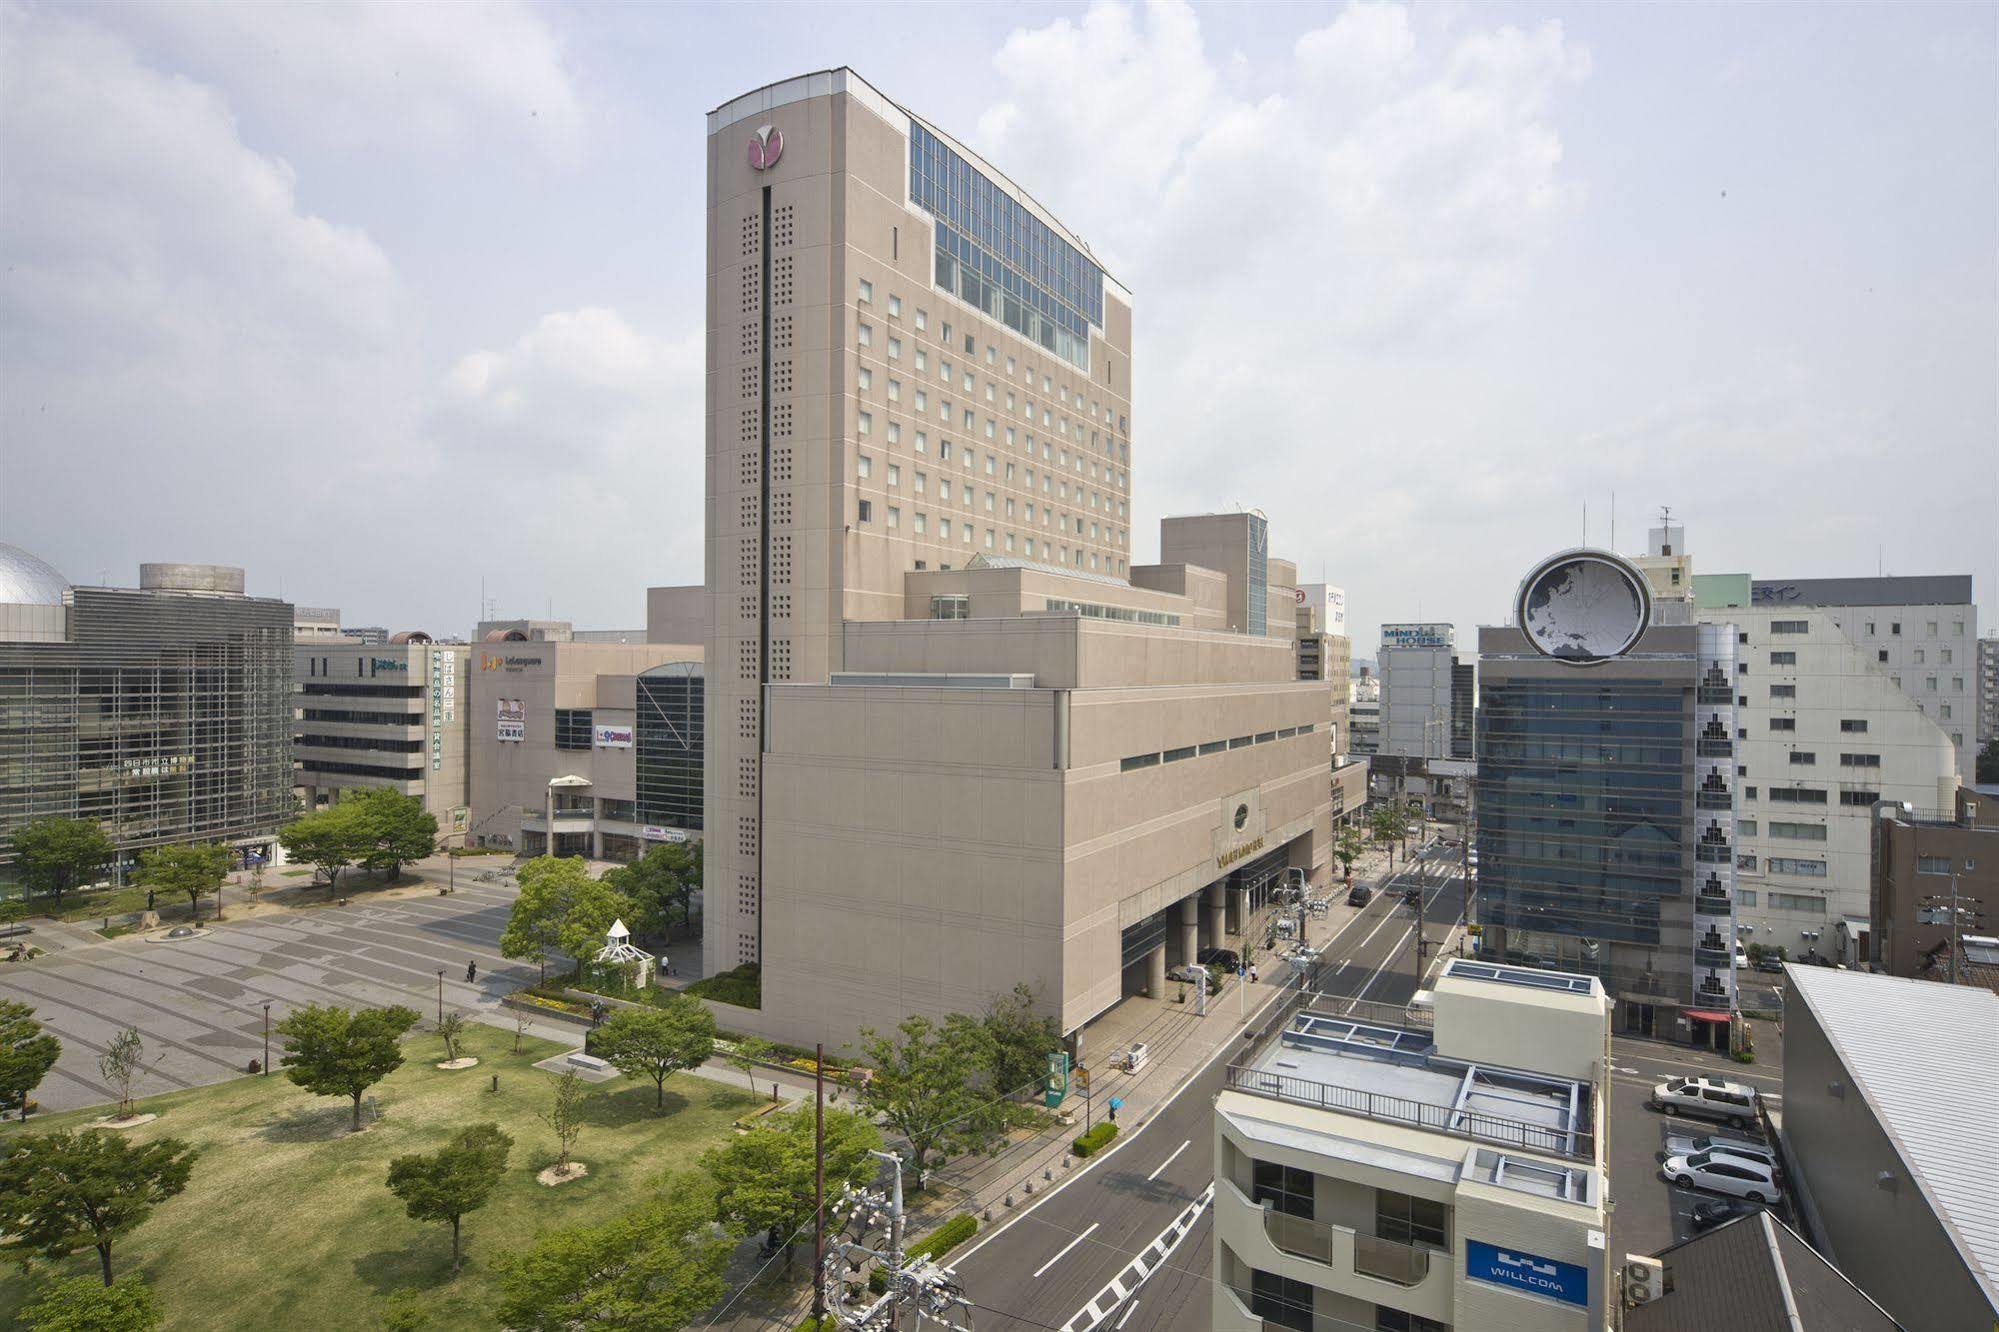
(1689, 1145)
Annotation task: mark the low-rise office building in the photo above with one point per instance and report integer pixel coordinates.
(1934, 881)
(162, 713)
(388, 716)
(1888, 1126)
(588, 748)
(1420, 684)
(1435, 1167)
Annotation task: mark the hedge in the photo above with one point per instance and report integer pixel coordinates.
(741, 986)
(934, 1245)
(1089, 1142)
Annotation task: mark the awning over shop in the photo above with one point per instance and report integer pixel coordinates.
(1704, 1015)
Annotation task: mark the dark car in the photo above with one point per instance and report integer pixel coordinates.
(1359, 895)
(1220, 957)
(1412, 897)
(1768, 963)
(1712, 1212)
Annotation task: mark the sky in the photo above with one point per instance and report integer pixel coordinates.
(398, 306)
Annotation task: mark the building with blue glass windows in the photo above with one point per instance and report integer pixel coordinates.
(1606, 794)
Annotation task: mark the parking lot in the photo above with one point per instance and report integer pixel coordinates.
(1650, 1213)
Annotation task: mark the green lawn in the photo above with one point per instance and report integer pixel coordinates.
(287, 1221)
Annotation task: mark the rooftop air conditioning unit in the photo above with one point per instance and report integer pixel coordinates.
(1644, 1280)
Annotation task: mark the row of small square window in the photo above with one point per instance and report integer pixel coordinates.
(1014, 435)
(1051, 483)
(1881, 656)
(1211, 747)
(1894, 628)
(1027, 373)
(1117, 536)
(967, 532)
(1811, 795)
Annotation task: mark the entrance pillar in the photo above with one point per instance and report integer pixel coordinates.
(1211, 898)
(1155, 971)
(1190, 930)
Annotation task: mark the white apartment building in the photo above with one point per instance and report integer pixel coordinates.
(1988, 691)
(1435, 1167)
(1827, 728)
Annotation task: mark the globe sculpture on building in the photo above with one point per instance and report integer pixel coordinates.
(1583, 606)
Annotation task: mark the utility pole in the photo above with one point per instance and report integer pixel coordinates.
(931, 1292)
(818, 1181)
(1936, 902)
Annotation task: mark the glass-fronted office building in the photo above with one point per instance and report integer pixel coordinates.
(1606, 833)
(162, 713)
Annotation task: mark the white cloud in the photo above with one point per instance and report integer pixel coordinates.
(382, 74)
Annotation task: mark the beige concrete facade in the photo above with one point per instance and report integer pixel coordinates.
(387, 716)
(552, 727)
(863, 423)
(931, 840)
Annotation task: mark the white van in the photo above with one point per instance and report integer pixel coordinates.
(1719, 1099)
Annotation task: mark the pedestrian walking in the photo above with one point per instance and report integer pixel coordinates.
(471, 971)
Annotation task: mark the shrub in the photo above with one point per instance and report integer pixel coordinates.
(741, 986)
(1744, 1056)
(1088, 1143)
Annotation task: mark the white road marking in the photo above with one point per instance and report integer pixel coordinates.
(1169, 1160)
(1065, 1250)
(1130, 1309)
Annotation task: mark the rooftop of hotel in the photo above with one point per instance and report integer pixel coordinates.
(1382, 1064)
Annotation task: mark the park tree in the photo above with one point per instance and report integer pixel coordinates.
(659, 883)
(395, 828)
(27, 1053)
(560, 908)
(746, 1054)
(1986, 765)
(928, 1083)
(56, 854)
(657, 1042)
(451, 1030)
(334, 1051)
(193, 870)
(657, 1266)
(764, 1178)
(123, 1060)
(456, 1179)
(1349, 845)
(1021, 1040)
(61, 1192)
(327, 839)
(79, 1304)
(564, 1117)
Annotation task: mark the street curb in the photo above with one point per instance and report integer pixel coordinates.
(1138, 1129)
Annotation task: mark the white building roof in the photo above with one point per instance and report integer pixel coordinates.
(1925, 1057)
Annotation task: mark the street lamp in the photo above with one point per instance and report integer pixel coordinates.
(267, 1039)
(440, 995)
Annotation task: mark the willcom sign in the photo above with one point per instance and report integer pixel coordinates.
(1527, 1272)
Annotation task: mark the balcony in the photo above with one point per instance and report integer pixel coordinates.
(1711, 853)
(1338, 1246)
(1723, 693)
(1712, 949)
(1711, 748)
(1705, 799)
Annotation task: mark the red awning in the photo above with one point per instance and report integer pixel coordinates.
(1705, 1015)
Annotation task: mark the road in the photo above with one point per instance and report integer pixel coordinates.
(1054, 1260)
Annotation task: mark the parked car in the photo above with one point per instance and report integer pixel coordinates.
(1711, 1212)
(1412, 897)
(1714, 1097)
(1220, 957)
(1682, 1145)
(1723, 1174)
(1741, 959)
(1359, 895)
(1188, 971)
(1770, 964)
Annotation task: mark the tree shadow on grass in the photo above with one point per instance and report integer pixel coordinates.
(423, 1263)
(313, 1123)
(632, 1103)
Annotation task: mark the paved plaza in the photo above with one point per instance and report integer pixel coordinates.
(199, 1003)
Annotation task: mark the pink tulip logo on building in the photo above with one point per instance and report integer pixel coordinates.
(766, 148)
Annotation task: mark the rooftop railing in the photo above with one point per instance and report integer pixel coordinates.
(1579, 1142)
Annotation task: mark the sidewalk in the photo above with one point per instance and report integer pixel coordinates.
(1179, 1045)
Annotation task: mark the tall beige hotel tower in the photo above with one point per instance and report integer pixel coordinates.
(938, 691)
